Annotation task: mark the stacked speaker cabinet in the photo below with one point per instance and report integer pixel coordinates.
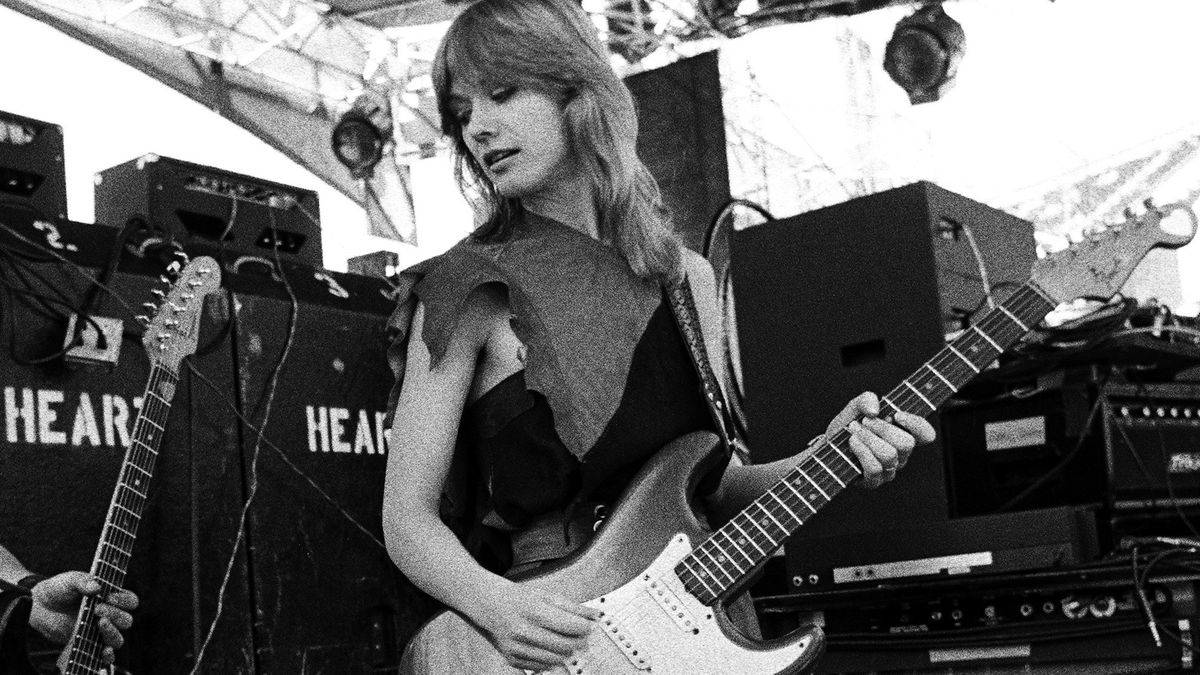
(212, 210)
(327, 598)
(63, 438)
(855, 297)
(259, 552)
(31, 164)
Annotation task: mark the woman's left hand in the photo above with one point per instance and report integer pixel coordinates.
(881, 447)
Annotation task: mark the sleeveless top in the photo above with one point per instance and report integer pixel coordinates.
(608, 379)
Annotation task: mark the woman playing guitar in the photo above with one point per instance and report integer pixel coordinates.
(538, 362)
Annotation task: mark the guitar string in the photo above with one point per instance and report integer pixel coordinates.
(140, 454)
(996, 325)
(89, 627)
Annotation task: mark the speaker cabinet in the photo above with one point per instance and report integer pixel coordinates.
(63, 434)
(855, 297)
(218, 210)
(31, 164)
(681, 138)
(327, 596)
(280, 530)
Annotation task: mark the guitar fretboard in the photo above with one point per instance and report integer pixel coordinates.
(730, 554)
(115, 549)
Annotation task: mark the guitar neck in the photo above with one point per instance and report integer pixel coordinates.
(115, 549)
(724, 560)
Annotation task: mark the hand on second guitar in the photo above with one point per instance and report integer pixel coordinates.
(881, 447)
(56, 604)
(534, 630)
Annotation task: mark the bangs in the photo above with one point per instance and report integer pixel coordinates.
(503, 47)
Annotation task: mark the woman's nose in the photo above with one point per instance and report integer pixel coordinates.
(482, 124)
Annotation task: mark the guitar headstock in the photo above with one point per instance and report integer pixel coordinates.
(172, 333)
(1101, 263)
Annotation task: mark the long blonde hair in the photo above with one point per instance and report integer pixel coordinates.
(551, 46)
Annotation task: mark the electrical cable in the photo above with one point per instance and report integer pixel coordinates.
(72, 265)
(1062, 463)
(983, 274)
(266, 402)
(715, 223)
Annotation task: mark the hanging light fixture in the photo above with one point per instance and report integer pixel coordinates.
(923, 54)
(358, 143)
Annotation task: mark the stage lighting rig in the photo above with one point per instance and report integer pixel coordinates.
(924, 52)
(358, 142)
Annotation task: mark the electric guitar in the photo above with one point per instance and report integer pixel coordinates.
(660, 580)
(170, 336)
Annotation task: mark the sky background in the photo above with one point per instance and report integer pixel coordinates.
(1046, 89)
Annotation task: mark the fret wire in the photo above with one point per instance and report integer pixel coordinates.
(941, 377)
(832, 444)
(946, 363)
(835, 476)
(736, 547)
(747, 537)
(762, 529)
(113, 545)
(129, 487)
(814, 483)
(145, 447)
(987, 337)
(1012, 316)
(786, 508)
(772, 517)
(700, 577)
(799, 496)
(963, 357)
(920, 395)
(713, 540)
(715, 562)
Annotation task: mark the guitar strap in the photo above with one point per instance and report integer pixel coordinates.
(683, 306)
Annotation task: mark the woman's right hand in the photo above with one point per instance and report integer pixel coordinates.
(533, 629)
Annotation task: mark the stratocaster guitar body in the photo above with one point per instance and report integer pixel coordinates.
(651, 623)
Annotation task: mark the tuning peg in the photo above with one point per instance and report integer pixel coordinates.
(1128, 213)
(164, 278)
(183, 257)
(1149, 202)
(143, 319)
(150, 306)
(159, 293)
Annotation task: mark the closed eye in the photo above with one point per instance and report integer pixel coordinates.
(502, 94)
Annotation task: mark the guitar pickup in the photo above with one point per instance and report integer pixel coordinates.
(638, 658)
(666, 598)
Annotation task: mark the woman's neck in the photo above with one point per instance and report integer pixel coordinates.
(574, 205)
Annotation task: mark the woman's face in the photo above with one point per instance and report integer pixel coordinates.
(518, 136)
